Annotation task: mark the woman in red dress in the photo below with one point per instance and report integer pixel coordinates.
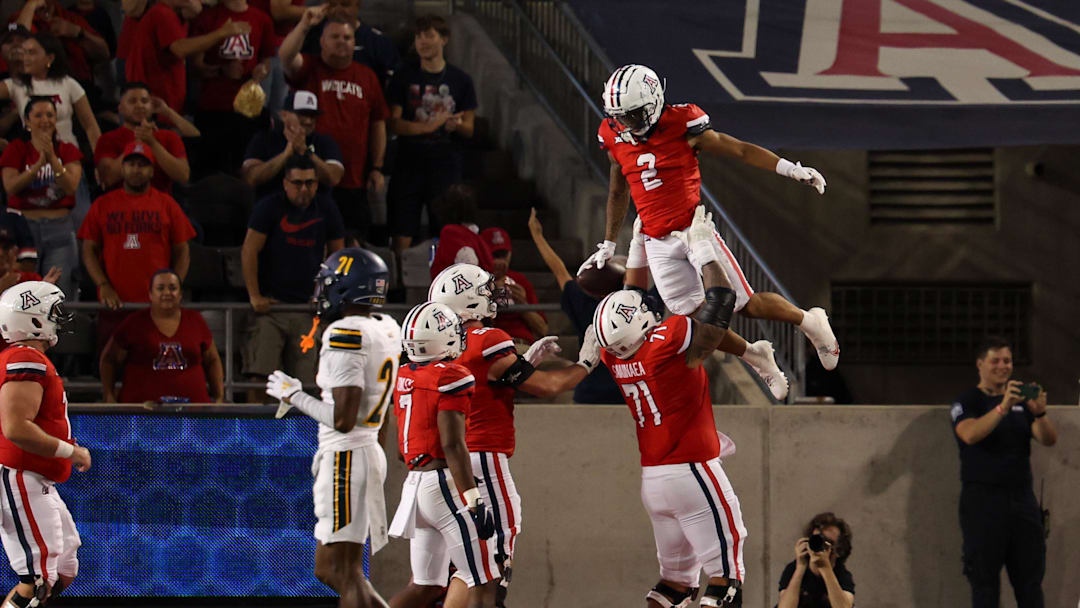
(166, 353)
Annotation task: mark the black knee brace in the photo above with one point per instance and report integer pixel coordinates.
(718, 307)
(726, 596)
(670, 598)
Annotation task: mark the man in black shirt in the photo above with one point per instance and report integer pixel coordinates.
(1000, 519)
(432, 107)
(820, 579)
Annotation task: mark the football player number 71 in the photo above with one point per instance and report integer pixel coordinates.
(636, 391)
(648, 176)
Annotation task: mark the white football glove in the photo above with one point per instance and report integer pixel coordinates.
(542, 349)
(636, 257)
(804, 175)
(281, 386)
(603, 253)
(589, 353)
(700, 238)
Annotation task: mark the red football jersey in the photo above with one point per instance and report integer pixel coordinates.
(669, 401)
(490, 427)
(663, 169)
(422, 391)
(20, 363)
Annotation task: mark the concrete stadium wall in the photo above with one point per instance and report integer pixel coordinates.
(892, 472)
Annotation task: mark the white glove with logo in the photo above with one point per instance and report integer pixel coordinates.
(542, 349)
(804, 175)
(589, 353)
(281, 386)
(603, 253)
(701, 239)
(636, 257)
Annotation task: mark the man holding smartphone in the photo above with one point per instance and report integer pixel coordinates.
(1000, 519)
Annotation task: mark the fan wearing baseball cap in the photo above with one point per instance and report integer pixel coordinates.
(270, 150)
(522, 326)
(134, 231)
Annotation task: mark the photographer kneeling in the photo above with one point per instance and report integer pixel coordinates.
(1001, 522)
(818, 576)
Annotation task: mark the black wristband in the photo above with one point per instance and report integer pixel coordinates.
(1040, 414)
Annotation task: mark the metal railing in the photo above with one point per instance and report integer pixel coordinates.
(559, 61)
(230, 312)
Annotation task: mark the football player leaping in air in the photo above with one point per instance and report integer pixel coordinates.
(358, 364)
(697, 522)
(653, 149)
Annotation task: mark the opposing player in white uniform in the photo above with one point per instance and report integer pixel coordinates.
(358, 365)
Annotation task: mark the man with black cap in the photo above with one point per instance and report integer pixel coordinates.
(264, 162)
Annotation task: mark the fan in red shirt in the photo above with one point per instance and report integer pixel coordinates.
(36, 448)
(354, 110)
(491, 357)
(170, 157)
(653, 149)
(522, 326)
(225, 68)
(35, 181)
(161, 44)
(696, 518)
(83, 45)
(132, 232)
(166, 352)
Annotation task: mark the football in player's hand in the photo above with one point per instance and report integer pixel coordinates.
(599, 282)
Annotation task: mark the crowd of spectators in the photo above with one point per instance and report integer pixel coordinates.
(107, 133)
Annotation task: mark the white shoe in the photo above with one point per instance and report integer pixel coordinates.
(759, 356)
(282, 409)
(822, 337)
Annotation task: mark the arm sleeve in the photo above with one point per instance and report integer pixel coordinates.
(258, 147)
(602, 135)
(456, 387)
(379, 109)
(74, 89)
(335, 229)
(69, 153)
(90, 230)
(395, 92)
(468, 94)
(674, 335)
(260, 218)
(106, 147)
(496, 344)
(13, 155)
(339, 367)
(165, 30)
(124, 332)
(25, 365)
(847, 582)
(697, 121)
(330, 151)
(785, 577)
(962, 410)
(180, 229)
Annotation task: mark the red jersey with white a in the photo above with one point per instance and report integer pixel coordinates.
(490, 427)
(669, 401)
(662, 170)
(20, 363)
(422, 391)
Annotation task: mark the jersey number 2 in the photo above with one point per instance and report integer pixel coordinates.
(637, 391)
(386, 373)
(648, 177)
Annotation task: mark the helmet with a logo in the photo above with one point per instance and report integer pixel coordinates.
(33, 310)
(622, 321)
(432, 332)
(634, 97)
(350, 276)
(467, 289)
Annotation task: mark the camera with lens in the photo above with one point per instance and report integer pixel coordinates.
(817, 543)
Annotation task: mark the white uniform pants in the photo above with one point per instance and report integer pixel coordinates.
(433, 514)
(500, 494)
(696, 521)
(348, 495)
(679, 282)
(39, 534)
